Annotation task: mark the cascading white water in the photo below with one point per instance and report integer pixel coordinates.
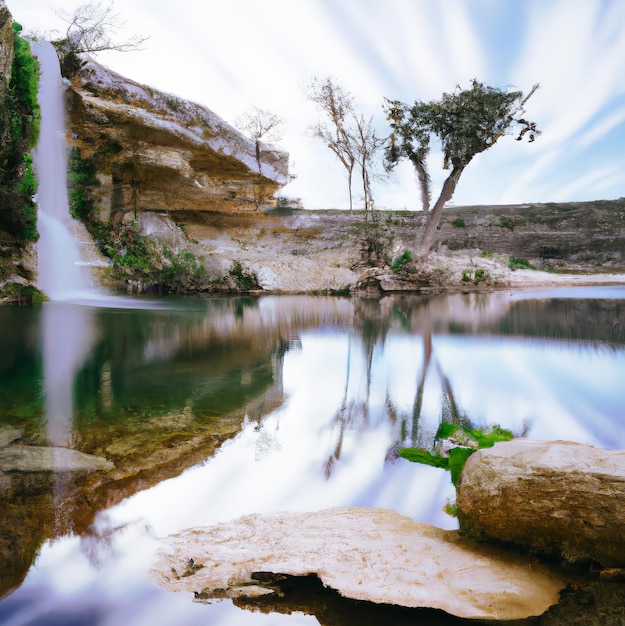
(61, 275)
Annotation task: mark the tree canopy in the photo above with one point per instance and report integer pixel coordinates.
(466, 122)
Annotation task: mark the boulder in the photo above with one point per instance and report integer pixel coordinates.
(366, 554)
(557, 498)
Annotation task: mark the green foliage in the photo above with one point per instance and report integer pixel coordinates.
(458, 223)
(520, 264)
(184, 272)
(19, 128)
(465, 122)
(477, 277)
(245, 281)
(18, 293)
(468, 440)
(485, 255)
(481, 276)
(401, 260)
(506, 222)
(82, 179)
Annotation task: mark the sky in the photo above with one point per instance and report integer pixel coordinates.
(235, 55)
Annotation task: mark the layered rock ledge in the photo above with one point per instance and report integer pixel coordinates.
(367, 554)
(556, 498)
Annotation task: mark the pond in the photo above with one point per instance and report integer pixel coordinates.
(211, 409)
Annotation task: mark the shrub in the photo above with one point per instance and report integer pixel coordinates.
(520, 264)
(506, 222)
(246, 281)
(401, 260)
(466, 276)
(458, 223)
(481, 276)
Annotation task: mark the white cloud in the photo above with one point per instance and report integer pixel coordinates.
(233, 55)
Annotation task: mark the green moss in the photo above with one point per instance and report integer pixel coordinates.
(468, 441)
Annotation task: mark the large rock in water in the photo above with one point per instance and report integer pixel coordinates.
(367, 554)
(559, 498)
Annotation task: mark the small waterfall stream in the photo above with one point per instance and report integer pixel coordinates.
(62, 273)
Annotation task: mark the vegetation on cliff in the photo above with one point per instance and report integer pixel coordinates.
(19, 127)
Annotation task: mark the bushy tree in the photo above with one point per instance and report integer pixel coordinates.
(466, 122)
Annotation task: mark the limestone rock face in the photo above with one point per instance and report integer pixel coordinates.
(154, 151)
(365, 554)
(559, 498)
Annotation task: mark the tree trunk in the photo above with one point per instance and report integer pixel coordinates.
(349, 184)
(424, 182)
(258, 156)
(429, 234)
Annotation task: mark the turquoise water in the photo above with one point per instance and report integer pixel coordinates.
(212, 409)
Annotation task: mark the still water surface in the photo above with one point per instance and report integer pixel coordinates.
(212, 409)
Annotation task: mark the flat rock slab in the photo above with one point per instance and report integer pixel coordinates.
(47, 459)
(555, 497)
(366, 554)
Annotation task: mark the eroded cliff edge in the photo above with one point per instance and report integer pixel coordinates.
(153, 151)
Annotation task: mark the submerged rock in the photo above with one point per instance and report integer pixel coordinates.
(558, 498)
(9, 435)
(45, 459)
(366, 554)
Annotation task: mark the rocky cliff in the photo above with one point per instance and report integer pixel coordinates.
(155, 152)
(6, 43)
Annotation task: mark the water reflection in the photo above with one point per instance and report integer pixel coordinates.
(211, 409)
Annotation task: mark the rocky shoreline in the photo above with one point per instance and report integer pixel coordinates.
(500, 565)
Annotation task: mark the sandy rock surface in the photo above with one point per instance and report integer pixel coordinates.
(365, 554)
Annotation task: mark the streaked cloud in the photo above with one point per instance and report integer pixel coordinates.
(233, 55)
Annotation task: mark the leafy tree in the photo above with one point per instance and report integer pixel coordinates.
(466, 122)
(346, 132)
(92, 28)
(260, 124)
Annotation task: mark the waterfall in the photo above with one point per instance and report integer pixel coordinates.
(62, 274)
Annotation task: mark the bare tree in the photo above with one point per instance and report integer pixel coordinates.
(338, 107)
(367, 144)
(93, 28)
(260, 124)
